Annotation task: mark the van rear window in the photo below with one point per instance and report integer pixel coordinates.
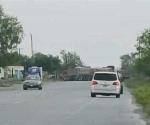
(105, 76)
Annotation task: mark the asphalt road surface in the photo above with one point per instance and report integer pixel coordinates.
(66, 103)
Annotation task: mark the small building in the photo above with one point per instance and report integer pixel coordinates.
(15, 72)
(1, 73)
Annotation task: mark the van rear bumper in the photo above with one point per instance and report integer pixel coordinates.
(105, 94)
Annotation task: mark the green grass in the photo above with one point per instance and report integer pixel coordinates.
(140, 89)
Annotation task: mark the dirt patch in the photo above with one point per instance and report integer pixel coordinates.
(8, 84)
(5, 83)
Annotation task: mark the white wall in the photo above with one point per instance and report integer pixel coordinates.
(1, 73)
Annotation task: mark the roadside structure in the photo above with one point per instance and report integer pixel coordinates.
(15, 72)
(1, 72)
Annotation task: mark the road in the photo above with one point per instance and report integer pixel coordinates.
(66, 103)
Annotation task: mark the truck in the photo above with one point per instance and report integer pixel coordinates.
(35, 70)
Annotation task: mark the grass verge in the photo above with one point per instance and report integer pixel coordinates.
(140, 88)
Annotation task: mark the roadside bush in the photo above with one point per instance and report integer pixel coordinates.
(140, 88)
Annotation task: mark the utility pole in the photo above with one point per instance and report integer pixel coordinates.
(139, 50)
(32, 52)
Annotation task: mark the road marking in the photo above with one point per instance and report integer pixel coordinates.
(79, 109)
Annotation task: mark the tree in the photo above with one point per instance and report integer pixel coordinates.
(48, 62)
(125, 61)
(55, 63)
(143, 45)
(138, 62)
(142, 64)
(40, 60)
(1, 11)
(70, 59)
(11, 34)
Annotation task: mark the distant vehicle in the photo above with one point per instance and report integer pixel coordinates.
(35, 70)
(77, 74)
(32, 81)
(105, 83)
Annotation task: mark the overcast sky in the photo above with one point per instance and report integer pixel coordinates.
(100, 31)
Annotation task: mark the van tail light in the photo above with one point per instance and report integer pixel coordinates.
(116, 83)
(94, 83)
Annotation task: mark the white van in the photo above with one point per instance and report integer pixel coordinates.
(105, 83)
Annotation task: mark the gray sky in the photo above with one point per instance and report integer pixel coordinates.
(100, 31)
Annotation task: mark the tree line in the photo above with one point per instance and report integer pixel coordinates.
(138, 62)
(11, 35)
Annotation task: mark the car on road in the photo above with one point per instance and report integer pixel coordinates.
(105, 83)
(32, 81)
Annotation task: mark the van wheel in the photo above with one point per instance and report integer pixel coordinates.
(118, 96)
(93, 95)
(24, 88)
(40, 87)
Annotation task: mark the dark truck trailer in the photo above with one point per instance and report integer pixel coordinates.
(83, 73)
(77, 74)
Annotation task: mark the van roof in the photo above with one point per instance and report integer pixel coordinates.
(106, 72)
